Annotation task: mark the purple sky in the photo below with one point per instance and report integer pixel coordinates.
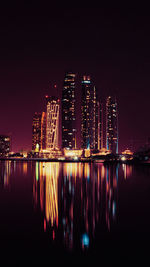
(39, 43)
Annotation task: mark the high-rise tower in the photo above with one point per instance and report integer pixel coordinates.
(68, 112)
(100, 124)
(95, 119)
(43, 130)
(111, 125)
(36, 131)
(52, 129)
(89, 122)
(87, 116)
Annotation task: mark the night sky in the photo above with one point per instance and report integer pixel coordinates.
(40, 43)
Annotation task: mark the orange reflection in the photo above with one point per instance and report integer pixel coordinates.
(87, 170)
(87, 195)
(127, 170)
(7, 171)
(102, 171)
(71, 169)
(46, 185)
(25, 165)
(51, 209)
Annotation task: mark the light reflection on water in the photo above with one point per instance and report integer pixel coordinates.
(79, 205)
(75, 198)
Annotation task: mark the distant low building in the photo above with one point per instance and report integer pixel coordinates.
(4, 145)
(127, 152)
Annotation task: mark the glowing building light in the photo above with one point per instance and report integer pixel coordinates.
(123, 158)
(86, 82)
(37, 147)
(73, 152)
(87, 153)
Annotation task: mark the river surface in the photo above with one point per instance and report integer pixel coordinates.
(66, 213)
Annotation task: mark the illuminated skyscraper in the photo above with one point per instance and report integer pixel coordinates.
(87, 113)
(43, 130)
(95, 119)
(52, 129)
(99, 114)
(68, 112)
(90, 124)
(36, 131)
(111, 125)
(97, 124)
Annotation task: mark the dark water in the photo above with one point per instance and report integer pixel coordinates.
(56, 213)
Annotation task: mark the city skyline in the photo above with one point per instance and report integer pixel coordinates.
(112, 47)
(78, 138)
(46, 133)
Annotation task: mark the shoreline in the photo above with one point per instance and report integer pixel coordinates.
(83, 160)
(46, 160)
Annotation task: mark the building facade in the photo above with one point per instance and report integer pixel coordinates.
(43, 130)
(68, 112)
(87, 113)
(52, 123)
(36, 131)
(100, 124)
(91, 122)
(111, 125)
(5, 143)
